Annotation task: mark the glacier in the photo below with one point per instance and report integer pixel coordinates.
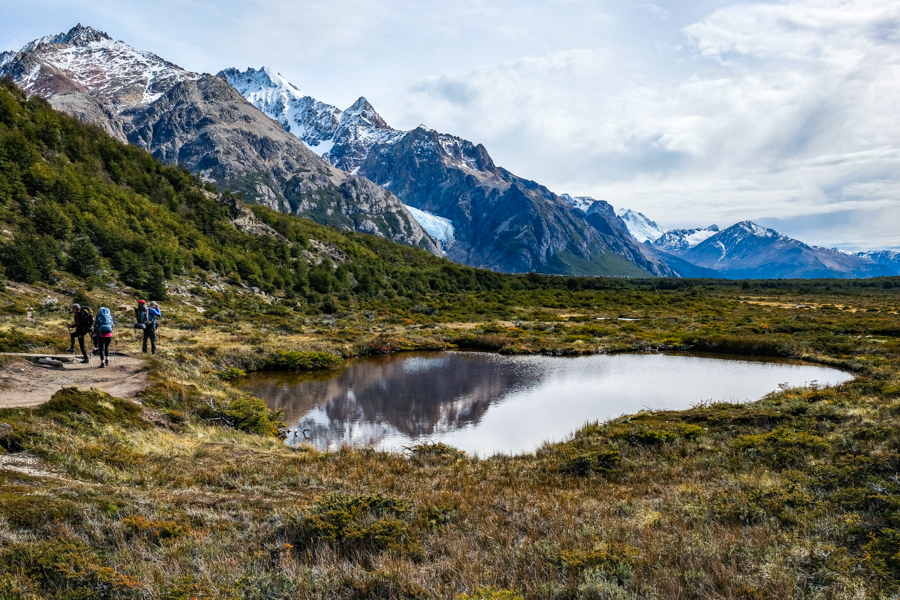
(439, 228)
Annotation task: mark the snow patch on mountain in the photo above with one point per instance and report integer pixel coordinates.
(700, 235)
(439, 228)
(639, 226)
(678, 241)
(579, 202)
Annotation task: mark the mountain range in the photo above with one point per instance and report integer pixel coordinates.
(499, 220)
(200, 121)
(749, 251)
(255, 133)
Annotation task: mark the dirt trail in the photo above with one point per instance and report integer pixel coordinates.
(28, 384)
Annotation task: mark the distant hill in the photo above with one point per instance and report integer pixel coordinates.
(748, 251)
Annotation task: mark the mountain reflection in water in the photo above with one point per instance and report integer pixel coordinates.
(416, 394)
(402, 399)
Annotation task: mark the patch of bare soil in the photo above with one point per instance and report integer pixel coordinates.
(27, 384)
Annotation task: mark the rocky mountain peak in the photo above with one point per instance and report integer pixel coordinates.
(77, 36)
(756, 230)
(81, 36)
(363, 109)
(641, 227)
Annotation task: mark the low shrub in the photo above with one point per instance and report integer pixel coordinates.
(435, 451)
(352, 522)
(593, 461)
(751, 345)
(153, 531)
(285, 360)
(491, 593)
(35, 512)
(781, 448)
(231, 374)
(245, 413)
(67, 569)
(70, 406)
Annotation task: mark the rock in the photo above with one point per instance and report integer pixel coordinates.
(50, 362)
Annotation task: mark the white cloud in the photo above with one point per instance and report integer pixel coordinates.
(656, 10)
(789, 111)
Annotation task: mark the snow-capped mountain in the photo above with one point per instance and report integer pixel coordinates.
(679, 241)
(748, 251)
(343, 138)
(640, 227)
(312, 121)
(202, 122)
(84, 59)
(591, 206)
(500, 221)
(885, 258)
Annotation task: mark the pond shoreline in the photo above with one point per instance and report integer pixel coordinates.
(453, 397)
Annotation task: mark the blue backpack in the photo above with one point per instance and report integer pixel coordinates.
(104, 322)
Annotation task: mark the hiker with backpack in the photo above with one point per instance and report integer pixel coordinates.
(103, 325)
(144, 319)
(155, 313)
(83, 321)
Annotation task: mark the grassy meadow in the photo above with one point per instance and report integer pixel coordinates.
(192, 494)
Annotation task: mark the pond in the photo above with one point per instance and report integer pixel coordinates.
(487, 403)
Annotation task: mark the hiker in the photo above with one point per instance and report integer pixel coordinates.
(83, 321)
(144, 321)
(104, 327)
(155, 314)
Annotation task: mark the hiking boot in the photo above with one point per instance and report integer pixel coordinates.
(84, 361)
(102, 366)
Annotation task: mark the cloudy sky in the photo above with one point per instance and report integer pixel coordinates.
(710, 111)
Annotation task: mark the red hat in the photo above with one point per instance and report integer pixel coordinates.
(142, 302)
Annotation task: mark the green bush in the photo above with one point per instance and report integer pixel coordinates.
(781, 448)
(285, 360)
(67, 569)
(71, 406)
(352, 522)
(245, 413)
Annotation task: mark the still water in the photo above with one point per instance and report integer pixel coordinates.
(486, 403)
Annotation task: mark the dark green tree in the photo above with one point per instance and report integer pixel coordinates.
(83, 258)
(19, 262)
(155, 287)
